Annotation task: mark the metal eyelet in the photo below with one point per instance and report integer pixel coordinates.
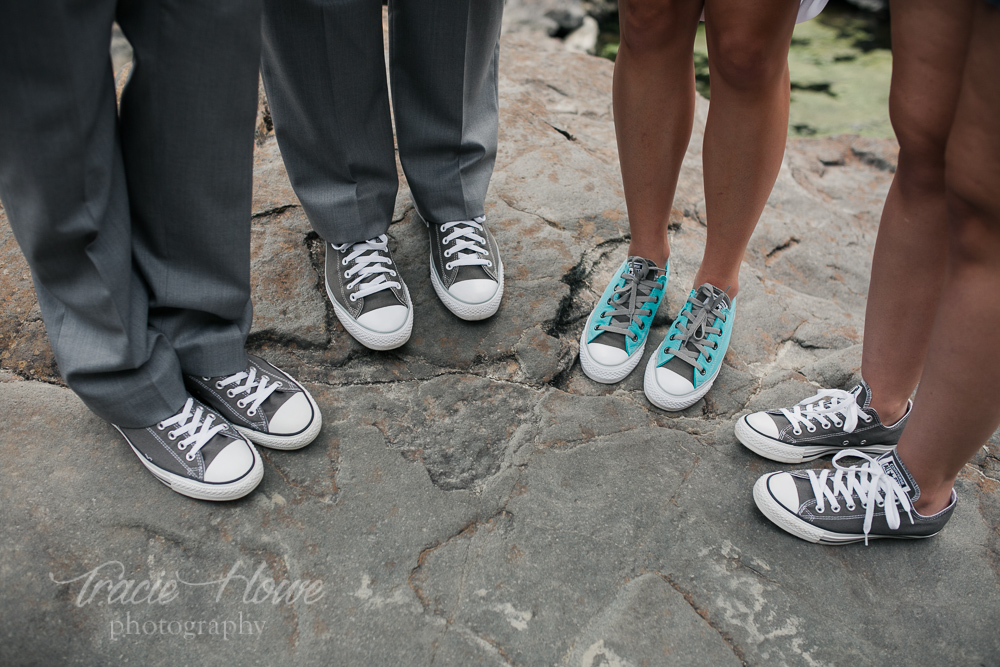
(241, 403)
(820, 511)
(182, 446)
(811, 429)
(353, 297)
(850, 508)
(160, 426)
(344, 262)
(190, 457)
(252, 412)
(836, 509)
(448, 266)
(489, 263)
(205, 379)
(172, 436)
(231, 393)
(797, 432)
(702, 372)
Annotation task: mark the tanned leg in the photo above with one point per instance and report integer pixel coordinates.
(654, 110)
(908, 269)
(957, 407)
(747, 125)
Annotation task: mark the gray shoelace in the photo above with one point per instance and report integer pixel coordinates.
(706, 306)
(629, 301)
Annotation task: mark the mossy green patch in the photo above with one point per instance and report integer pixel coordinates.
(840, 69)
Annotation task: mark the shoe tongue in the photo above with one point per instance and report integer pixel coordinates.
(862, 394)
(714, 291)
(472, 272)
(894, 468)
(380, 299)
(640, 266)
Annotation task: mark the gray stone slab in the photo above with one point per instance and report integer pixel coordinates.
(473, 498)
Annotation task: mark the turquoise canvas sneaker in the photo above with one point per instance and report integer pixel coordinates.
(611, 344)
(689, 358)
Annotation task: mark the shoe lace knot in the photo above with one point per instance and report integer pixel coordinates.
(868, 483)
(370, 262)
(254, 390)
(696, 328)
(828, 407)
(195, 423)
(467, 242)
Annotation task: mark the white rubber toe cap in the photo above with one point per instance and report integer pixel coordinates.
(293, 416)
(479, 290)
(782, 487)
(606, 355)
(672, 383)
(230, 464)
(762, 423)
(384, 320)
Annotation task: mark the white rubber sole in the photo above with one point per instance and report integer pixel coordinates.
(790, 523)
(293, 441)
(599, 372)
(672, 402)
(782, 452)
(205, 490)
(471, 312)
(374, 340)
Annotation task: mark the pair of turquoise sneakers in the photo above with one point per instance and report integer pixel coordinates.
(688, 360)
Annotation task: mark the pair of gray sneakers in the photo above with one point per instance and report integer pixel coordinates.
(373, 303)
(849, 503)
(204, 451)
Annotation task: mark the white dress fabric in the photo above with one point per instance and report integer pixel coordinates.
(808, 9)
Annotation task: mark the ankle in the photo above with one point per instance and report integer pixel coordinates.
(649, 252)
(932, 501)
(889, 412)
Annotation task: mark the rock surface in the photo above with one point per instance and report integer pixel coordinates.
(473, 498)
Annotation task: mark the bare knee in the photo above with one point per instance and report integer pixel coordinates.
(746, 60)
(923, 136)
(652, 26)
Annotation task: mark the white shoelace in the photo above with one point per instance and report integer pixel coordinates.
(468, 245)
(370, 258)
(869, 481)
(198, 431)
(256, 390)
(826, 405)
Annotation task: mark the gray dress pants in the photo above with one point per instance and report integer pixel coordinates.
(324, 73)
(136, 229)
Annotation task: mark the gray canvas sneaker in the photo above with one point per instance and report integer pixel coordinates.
(466, 269)
(848, 504)
(197, 453)
(368, 296)
(826, 423)
(262, 402)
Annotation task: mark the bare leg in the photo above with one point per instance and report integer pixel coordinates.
(908, 269)
(654, 111)
(747, 125)
(956, 407)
